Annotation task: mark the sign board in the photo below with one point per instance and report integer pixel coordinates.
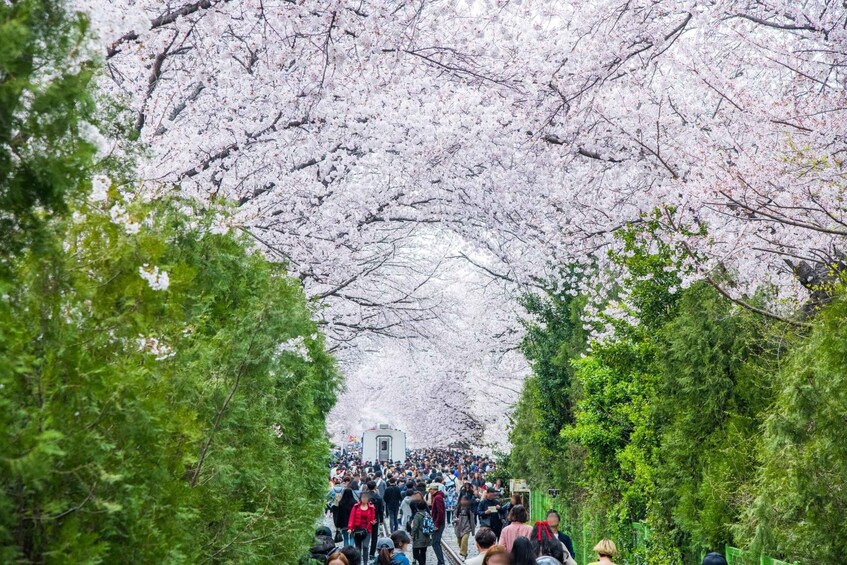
(518, 485)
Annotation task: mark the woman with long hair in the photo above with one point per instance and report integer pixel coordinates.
(345, 505)
(546, 544)
(522, 552)
(384, 551)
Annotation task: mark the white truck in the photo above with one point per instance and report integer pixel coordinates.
(383, 443)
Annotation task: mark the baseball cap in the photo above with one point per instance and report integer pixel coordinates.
(384, 543)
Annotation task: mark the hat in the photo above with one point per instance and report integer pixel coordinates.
(433, 486)
(492, 489)
(384, 543)
(714, 559)
(323, 531)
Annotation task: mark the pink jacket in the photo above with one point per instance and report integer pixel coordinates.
(513, 531)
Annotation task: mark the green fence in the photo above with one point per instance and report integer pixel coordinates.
(581, 535)
(735, 556)
(585, 535)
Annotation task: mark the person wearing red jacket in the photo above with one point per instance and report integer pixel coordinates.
(439, 519)
(361, 523)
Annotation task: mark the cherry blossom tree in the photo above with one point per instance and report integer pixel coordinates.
(727, 116)
(348, 132)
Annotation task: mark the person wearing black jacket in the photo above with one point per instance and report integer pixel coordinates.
(392, 498)
(379, 505)
(342, 517)
(323, 545)
(554, 520)
(490, 513)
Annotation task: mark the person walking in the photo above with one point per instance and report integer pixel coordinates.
(342, 518)
(439, 519)
(392, 499)
(333, 498)
(362, 522)
(406, 512)
(468, 491)
(489, 513)
(517, 527)
(421, 537)
(606, 551)
(545, 543)
(464, 525)
(380, 483)
(379, 506)
(553, 520)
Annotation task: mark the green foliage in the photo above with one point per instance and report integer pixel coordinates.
(706, 422)
(159, 425)
(801, 495)
(554, 335)
(715, 369)
(45, 107)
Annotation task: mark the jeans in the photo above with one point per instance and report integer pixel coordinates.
(436, 545)
(419, 553)
(393, 520)
(346, 538)
(364, 547)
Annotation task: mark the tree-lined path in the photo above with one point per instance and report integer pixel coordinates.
(604, 240)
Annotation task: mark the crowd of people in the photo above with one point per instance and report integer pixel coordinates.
(392, 513)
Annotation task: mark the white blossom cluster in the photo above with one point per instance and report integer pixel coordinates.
(100, 185)
(156, 347)
(296, 346)
(120, 217)
(158, 280)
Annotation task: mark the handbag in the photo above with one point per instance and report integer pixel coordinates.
(338, 537)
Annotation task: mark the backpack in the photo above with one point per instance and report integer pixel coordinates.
(427, 525)
(337, 500)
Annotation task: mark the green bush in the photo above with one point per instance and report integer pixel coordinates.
(708, 423)
(180, 424)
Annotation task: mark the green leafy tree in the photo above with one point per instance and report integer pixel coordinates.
(716, 364)
(801, 489)
(554, 335)
(159, 421)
